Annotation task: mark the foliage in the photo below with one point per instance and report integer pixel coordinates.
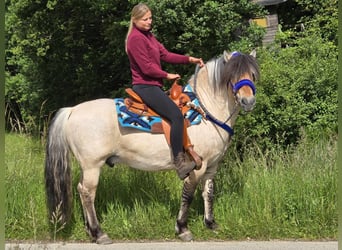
(297, 92)
(318, 17)
(66, 52)
(187, 27)
(60, 53)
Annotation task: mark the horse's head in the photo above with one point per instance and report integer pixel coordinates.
(240, 72)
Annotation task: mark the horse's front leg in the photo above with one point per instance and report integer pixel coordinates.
(208, 198)
(87, 190)
(181, 227)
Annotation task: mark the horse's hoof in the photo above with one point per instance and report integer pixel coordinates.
(104, 240)
(186, 236)
(211, 224)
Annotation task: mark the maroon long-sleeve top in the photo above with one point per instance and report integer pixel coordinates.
(145, 54)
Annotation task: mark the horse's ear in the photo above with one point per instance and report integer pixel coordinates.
(226, 56)
(253, 53)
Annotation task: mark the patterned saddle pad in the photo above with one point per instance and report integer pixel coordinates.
(131, 120)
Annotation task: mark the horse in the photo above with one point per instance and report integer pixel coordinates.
(91, 132)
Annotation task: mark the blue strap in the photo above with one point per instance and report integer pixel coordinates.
(207, 113)
(242, 83)
(220, 124)
(235, 53)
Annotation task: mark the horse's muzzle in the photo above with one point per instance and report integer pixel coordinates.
(247, 103)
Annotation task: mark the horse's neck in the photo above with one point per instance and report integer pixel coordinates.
(220, 103)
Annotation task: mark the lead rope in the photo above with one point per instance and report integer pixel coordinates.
(208, 115)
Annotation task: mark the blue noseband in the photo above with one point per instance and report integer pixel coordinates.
(243, 82)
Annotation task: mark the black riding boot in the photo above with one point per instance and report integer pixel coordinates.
(183, 167)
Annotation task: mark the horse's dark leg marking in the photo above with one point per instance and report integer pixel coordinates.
(182, 219)
(89, 213)
(208, 198)
(91, 222)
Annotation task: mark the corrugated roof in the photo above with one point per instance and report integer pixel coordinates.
(268, 2)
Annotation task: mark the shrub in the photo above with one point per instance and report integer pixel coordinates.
(297, 91)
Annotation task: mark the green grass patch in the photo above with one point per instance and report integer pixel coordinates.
(278, 194)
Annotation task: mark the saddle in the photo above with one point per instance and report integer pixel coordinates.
(136, 105)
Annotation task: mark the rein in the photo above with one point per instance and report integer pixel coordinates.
(236, 87)
(208, 115)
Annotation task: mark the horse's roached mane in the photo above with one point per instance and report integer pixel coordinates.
(224, 72)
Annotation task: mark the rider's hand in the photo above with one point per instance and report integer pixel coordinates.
(195, 60)
(172, 76)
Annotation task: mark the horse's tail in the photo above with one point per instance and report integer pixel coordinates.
(58, 182)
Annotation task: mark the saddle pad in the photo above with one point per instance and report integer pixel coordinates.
(131, 120)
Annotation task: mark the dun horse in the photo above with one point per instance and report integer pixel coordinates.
(92, 133)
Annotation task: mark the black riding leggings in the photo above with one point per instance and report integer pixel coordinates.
(157, 100)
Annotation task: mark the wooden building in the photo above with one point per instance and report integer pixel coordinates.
(270, 22)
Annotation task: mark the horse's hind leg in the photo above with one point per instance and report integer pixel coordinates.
(87, 190)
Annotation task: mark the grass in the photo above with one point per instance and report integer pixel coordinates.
(279, 194)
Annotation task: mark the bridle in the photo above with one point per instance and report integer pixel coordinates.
(235, 87)
(241, 83)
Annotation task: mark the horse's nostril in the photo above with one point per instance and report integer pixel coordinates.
(248, 101)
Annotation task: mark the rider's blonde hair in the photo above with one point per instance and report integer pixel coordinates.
(137, 13)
